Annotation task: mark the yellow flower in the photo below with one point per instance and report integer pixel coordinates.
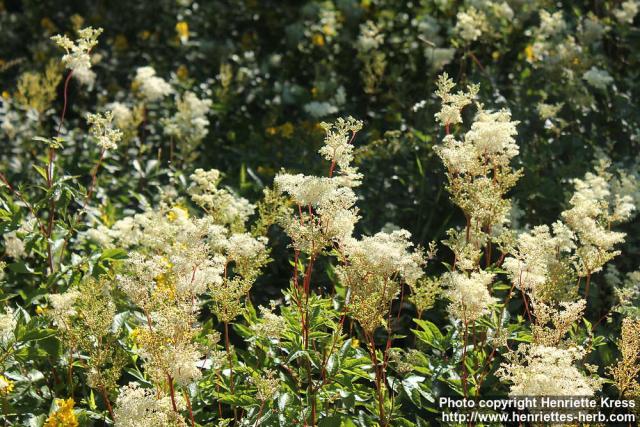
(528, 51)
(121, 42)
(317, 39)
(6, 385)
(40, 310)
(77, 21)
(144, 35)
(177, 212)
(5, 94)
(271, 130)
(64, 416)
(495, 55)
(329, 30)
(182, 28)
(48, 25)
(182, 72)
(355, 343)
(286, 130)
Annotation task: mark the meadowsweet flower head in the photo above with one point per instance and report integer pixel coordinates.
(539, 370)
(190, 124)
(13, 245)
(537, 260)
(225, 207)
(152, 87)
(590, 216)
(267, 385)
(424, 293)
(141, 407)
(375, 268)
(625, 372)
(453, 103)
(553, 323)
(469, 294)
(122, 114)
(470, 24)
(101, 128)
(77, 52)
(62, 307)
(270, 326)
(337, 146)
(627, 11)
(8, 323)
(598, 78)
(478, 167)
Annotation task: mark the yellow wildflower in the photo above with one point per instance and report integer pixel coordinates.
(286, 130)
(355, 343)
(271, 130)
(48, 25)
(77, 22)
(64, 416)
(5, 94)
(40, 310)
(495, 55)
(182, 72)
(528, 51)
(318, 40)
(329, 30)
(182, 28)
(6, 385)
(121, 42)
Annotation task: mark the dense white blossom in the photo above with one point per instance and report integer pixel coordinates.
(470, 24)
(13, 245)
(142, 407)
(627, 11)
(538, 370)
(8, 323)
(597, 78)
(77, 52)
(152, 87)
(469, 294)
(102, 130)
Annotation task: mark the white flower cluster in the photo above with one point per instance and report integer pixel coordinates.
(337, 146)
(190, 123)
(101, 128)
(152, 87)
(597, 78)
(594, 208)
(374, 269)
(77, 56)
(469, 294)
(536, 253)
(8, 323)
(141, 407)
(370, 37)
(62, 307)
(470, 24)
(478, 167)
(627, 11)
(122, 114)
(326, 205)
(226, 207)
(453, 103)
(538, 370)
(13, 245)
